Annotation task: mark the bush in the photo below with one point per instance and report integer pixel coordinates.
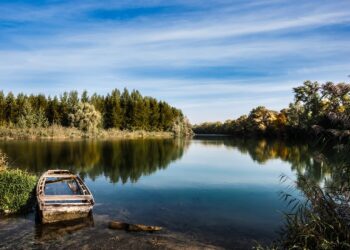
(85, 117)
(16, 189)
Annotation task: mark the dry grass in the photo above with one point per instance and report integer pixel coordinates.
(3, 161)
(116, 133)
(60, 133)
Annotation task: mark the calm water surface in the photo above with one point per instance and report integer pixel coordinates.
(223, 192)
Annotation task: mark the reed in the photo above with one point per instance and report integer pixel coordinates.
(321, 221)
(319, 211)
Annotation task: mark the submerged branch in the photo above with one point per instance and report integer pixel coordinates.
(132, 227)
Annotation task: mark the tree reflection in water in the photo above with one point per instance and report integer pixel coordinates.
(120, 161)
(312, 160)
(128, 160)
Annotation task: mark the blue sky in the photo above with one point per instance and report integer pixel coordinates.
(213, 59)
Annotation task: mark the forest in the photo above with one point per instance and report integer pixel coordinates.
(117, 110)
(316, 108)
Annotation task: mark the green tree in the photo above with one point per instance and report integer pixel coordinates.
(98, 102)
(309, 97)
(84, 96)
(137, 116)
(113, 116)
(125, 103)
(53, 111)
(2, 109)
(26, 117)
(64, 109)
(166, 116)
(73, 100)
(10, 109)
(154, 115)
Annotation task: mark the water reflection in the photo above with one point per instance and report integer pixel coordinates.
(223, 191)
(120, 161)
(312, 159)
(47, 232)
(128, 160)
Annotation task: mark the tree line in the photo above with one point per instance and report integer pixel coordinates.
(316, 107)
(121, 110)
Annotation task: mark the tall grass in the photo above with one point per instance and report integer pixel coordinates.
(321, 221)
(320, 218)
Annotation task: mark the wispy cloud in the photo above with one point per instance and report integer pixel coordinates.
(232, 56)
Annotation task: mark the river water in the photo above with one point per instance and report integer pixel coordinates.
(219, 191)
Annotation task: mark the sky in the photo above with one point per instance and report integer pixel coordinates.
(215, 60)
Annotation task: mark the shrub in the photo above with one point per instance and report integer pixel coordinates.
(16, 189)
(85, 117)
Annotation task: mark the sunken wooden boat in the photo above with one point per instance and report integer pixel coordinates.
(62, 196)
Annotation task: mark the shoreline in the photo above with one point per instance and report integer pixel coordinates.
(59, 133)
(340, 136)
(92, 235)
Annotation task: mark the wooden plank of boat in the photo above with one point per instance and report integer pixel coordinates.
(53, 207)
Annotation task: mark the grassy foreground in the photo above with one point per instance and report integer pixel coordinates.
(59, 132)
(16, 188)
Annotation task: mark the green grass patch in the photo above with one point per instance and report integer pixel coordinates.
(16, 190)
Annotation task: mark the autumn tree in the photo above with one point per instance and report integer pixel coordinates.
(261, 119)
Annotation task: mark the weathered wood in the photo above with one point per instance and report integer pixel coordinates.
(65, 204)
(60, 176)
(58, 180)
(55, 208)
(132, 227)
(65, 197)
(145, 228)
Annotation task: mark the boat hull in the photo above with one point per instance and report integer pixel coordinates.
(62, 207)
(64, 213)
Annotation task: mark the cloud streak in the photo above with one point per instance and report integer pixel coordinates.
(195, 55)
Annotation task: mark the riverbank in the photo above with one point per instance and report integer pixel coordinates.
(315, 133)
(62, 133)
